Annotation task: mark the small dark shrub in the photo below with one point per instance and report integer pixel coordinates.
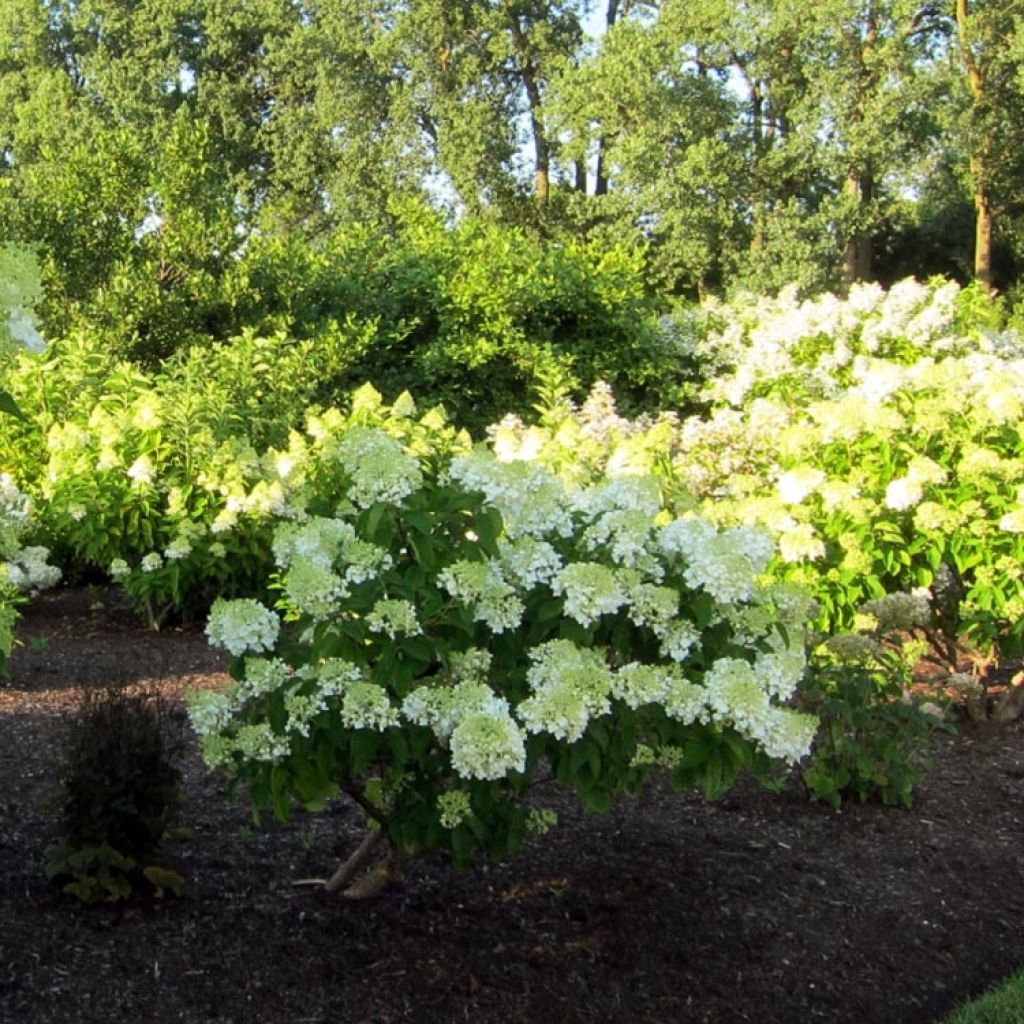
(874, 738)
(119, 797)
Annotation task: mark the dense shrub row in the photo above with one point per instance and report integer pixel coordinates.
(429, 626)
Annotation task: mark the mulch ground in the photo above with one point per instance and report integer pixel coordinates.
(759, 907)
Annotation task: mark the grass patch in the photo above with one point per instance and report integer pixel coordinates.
(1003, 1005)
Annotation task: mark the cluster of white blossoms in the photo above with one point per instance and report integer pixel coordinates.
(530, 498)
(485, 591)
(487, 746)
(603, 549)
(378, 467)
(242, 626)
(472, 721)
(528, 562)
(454, 807)
(579, 443)
(28, 570)
(817, 340)
(726, 563)
(21, 568)
(569, 686)
(589, 590)
(737, 697)
(907, 490)
(321, 559)
(394, 617)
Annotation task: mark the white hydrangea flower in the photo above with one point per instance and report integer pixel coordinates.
(788, 734)
(119, 568)
(625, 533)
(395, 618)
(678, 638)
(302, 709)
(362, 560)
(780, 671)
(1013, 521)
(333, 675)
(378, 467)
(209, 711)
(796, 484)
(261, 676)
(529, 562)
(837, 493)
(147, 414)
(318, 540)
(142, 471)
(487, 746)
(640, 494)
(482, 587)
(570, 686)
(684, 700)
(637, 684)
(590, 589)
(151, 562)
(179, 548)
(241, 626)
(530, 498)
(259, 742)
(649, 604)
(559, 710)
(441, 708)
(735, 697)
(225, 521)
(801, 543)
(725, 564)
(367, 705)
(470, 666)
(313, 588)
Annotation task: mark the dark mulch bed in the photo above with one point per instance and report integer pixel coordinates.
(756, 908)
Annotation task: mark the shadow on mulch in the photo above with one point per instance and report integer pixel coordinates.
(757, 908)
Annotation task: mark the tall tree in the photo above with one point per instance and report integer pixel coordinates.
(992, 123)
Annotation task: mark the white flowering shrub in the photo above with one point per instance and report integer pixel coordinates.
(449, 628)
(154, 476)
(23, 569)
(19, 291)
(878, 440)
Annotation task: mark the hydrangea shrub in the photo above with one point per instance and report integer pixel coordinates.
(877, 438)
(451, 628)
(23, 569)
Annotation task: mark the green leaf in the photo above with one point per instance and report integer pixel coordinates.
(363, 745)
(9, 406)
(163, 879)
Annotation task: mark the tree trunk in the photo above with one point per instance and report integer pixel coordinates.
(858, 261)
(982, 233)
(580, 173)
(978, 162)
(542, 151)
(600, 178)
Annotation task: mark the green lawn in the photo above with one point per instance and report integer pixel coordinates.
(1003, 1005)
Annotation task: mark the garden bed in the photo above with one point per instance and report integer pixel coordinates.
(759, 907)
